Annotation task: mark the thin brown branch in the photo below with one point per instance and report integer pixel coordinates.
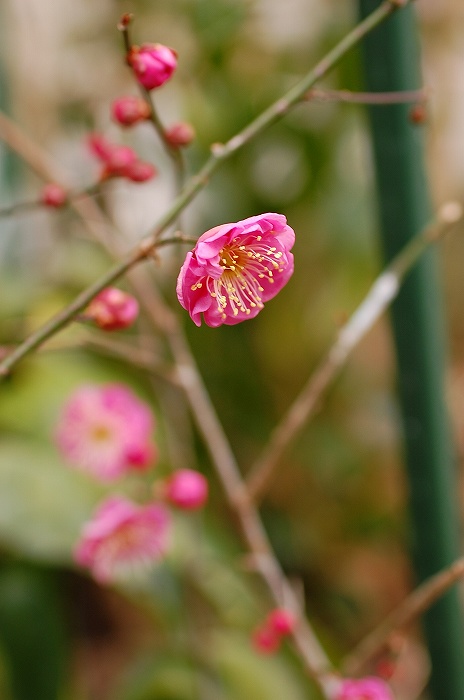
(420, 600)
(380, 295)
(368, 98)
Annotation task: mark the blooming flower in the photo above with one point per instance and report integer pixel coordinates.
(235, 268)
(106, 431)
(153, 64)
(130, 110)
(112, 309)
(187, 489)
(122, 537)
(369, 688)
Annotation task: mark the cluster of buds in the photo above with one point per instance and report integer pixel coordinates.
(267, 638)
(120, 161)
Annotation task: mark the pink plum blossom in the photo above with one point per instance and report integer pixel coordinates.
(106, 431)
(235, 268)
(153, 64)
(369, 688)
(122, 537)
(129, 110)
(112, 309)
(187, 489)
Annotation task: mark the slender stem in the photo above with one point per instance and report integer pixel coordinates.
(382, 292)
(66, 315)
(174, 152)
(411, 608)
(20, 207)
(219, 153)
(367, 98)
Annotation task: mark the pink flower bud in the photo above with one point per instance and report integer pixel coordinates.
(265, 640)
(180, 134)
(153, 64)
(129, 110)
(115, 158)
(53, 195)
(112, 309)
(140, 171)
(369, 688)
(281, 621)
(187, 489)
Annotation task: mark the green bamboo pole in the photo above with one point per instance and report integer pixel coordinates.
(391, 63)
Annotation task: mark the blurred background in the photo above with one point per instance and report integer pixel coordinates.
(336, 510)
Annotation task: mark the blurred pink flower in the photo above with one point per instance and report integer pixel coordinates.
(122, 537)
(129, 110)
(369, 688)
(153, 64)
(187, 489)
(107, 431)
(265, 640)
(235, 268)
(112, 309)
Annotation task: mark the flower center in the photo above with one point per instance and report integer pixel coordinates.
(245, 264)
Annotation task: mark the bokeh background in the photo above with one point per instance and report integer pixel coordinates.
(336, 511)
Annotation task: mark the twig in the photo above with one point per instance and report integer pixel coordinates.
(220, 152)
(368, 98)
(410, 609)
(380, 295)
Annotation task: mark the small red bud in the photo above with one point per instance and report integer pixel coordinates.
(282, 621)
(54, 195)
(112, 309)
(265, 640)
(129, 110)
(187, 489)
(153, 64)
(418, 113)
(180, 134)
(139, 171)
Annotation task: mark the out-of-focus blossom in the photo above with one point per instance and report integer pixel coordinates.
(153, 64)
(112, 309)
(53, 195)
(369, 688)
(129, 110)
(187, 489)
(122, 538)
(235, 268)
(106, 431)
(181, 134)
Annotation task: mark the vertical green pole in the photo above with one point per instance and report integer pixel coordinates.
(391, 63)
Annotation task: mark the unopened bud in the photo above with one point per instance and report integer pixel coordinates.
(53, 195)
(139, 171)
(265, 640)
(282, 621)
(130, 110)
(112, 309)
(187, 489)
(418, 113)
(181, 134)
(153, 64)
